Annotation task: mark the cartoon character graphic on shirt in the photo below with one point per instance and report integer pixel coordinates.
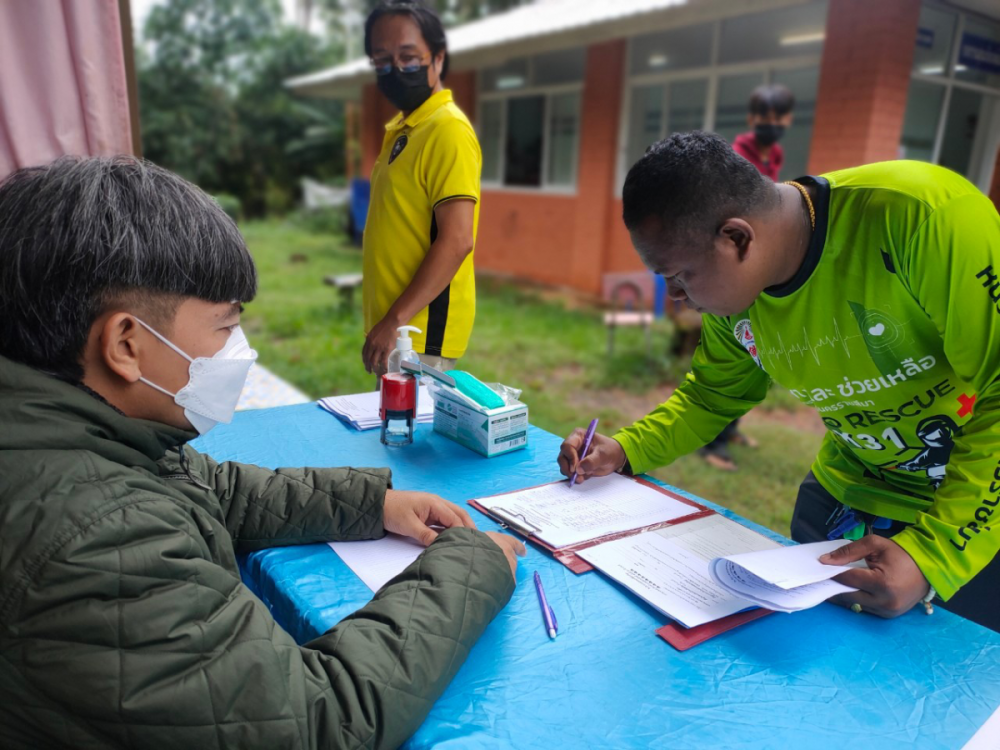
(937, 434)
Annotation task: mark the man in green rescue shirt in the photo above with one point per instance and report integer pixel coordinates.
(873, 295)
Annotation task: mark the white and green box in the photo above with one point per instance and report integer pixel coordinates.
(486, 431)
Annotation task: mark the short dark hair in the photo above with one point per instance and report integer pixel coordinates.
(80, 235)
(693, 182)
(774, 97)
(429, 22)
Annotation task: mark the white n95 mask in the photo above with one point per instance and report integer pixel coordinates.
(215, 382)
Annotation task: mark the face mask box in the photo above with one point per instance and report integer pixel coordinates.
(489, 432)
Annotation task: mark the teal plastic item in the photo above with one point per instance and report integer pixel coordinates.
(476, 390)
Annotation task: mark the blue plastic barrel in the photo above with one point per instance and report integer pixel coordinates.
(361, 193)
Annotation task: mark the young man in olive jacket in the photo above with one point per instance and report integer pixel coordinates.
(123, 621)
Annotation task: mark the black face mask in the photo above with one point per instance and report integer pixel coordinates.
(406, 91)
(768, 134)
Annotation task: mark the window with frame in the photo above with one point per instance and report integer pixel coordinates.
(701, 77)
(529, 121)
(952, 113)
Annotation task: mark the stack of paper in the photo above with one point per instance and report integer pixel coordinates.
(360, 410)
(786, 579)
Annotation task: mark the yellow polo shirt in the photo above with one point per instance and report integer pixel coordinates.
(427, 159)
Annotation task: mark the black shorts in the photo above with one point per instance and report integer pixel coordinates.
(978, 600)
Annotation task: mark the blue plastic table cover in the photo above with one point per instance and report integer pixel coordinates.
(821, 678)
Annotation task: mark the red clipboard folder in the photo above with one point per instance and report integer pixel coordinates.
(673, 633)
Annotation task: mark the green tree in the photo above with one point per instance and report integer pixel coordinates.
(214, 107)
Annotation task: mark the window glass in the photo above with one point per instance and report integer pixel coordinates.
(565, 66)
(788, 32)
(965, 111)
(923, 108)
(979, 53)
(490, 129)
(803, 84)
(687, 101)
(935, 31)
(733, 103)
(688, 47)
(563, 138)
(523, 157)
(507, 77)
(645, 120)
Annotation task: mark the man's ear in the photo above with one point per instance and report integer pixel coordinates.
(737, 235)
(119, 346)
(438, 62)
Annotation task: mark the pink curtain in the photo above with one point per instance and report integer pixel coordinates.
(62, 81)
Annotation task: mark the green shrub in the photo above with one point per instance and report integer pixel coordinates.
(230, 204)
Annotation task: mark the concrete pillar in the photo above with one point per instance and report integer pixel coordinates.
(599, 116)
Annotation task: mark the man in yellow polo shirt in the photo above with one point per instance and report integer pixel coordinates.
(424, 209)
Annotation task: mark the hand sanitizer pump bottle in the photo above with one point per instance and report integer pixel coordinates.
(404, 349)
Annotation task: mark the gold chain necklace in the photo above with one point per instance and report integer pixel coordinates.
(809, 203)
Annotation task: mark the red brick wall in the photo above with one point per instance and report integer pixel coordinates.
(621, 256)
(525, 234)
(864, 80)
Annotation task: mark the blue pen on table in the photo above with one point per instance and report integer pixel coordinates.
(587, 439)
(547, 614)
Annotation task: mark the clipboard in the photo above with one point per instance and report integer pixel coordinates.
(567, 555)
(678, 636)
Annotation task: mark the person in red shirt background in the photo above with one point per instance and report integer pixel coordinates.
(769, 116)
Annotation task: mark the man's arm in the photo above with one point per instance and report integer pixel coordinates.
(264, 508)
(138, 633)
(724, 384)
(952, 266)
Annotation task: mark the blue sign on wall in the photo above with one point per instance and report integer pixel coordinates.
(979, 53)
(925, 38)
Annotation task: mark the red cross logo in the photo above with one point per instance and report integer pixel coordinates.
(967, 403)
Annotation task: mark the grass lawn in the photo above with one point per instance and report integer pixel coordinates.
(545, 343)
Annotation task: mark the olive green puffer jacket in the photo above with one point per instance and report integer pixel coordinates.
(123, 621)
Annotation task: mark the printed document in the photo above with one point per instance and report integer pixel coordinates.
(669, 567)
(560, 514)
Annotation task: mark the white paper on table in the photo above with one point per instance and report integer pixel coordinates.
(566, 515)
(376, 561)
(669, 567)
(784, 563)
(361, 410)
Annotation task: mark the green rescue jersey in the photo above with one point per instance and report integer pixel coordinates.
(891, 330)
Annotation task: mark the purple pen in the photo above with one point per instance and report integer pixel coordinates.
(547, 614)
(588, 438)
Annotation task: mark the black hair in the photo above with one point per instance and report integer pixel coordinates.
(693, 182)
(775, 97)
(430, 25)
(81, 235)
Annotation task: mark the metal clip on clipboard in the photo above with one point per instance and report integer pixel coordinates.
(514, 521)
